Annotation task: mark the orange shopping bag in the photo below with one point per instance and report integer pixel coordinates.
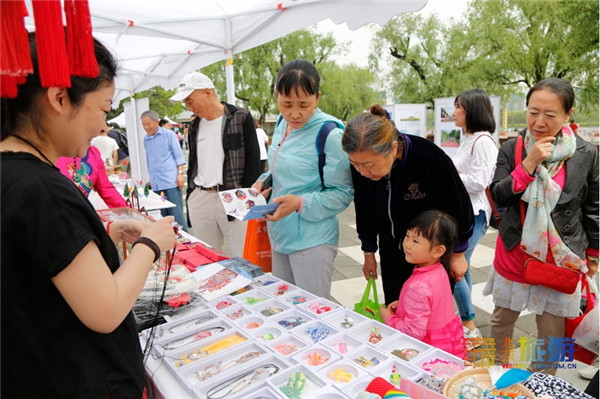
(257, 248)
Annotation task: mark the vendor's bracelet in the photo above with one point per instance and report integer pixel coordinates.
(369, 253)
(108, 227)
(593, 258)
(150, 244)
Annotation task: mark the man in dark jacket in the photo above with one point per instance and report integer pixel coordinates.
(223, 155)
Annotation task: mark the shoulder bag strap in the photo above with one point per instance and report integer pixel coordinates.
(488, 193)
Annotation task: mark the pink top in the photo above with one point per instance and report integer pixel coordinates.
(509, 264)
(89, 173)
(426, 311)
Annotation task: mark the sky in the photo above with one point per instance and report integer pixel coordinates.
(359, 40)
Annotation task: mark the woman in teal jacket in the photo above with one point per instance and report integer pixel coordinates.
(304, 229)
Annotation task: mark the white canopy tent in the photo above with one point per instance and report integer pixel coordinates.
(159, 41)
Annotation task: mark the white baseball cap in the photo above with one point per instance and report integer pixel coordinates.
(190, 82)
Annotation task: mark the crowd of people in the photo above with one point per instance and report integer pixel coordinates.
(422, 211)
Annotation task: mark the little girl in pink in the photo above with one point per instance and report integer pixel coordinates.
(425, 309)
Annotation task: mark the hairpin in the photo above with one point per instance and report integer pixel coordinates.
(270, 311)
(208, 350)
(250, 300)
(266, 337)
(318, 333)
(214, 369)
(395, 376)
(318, 308)
(367, 363)
(178, 343)
(374, 335)
(282, 289)
(342, 347)
(297, 299)
(252, 325)
(235, 315)
(291, 322)
(294, 386)
(223, 305)
(242, 381)
(285, 348)
(405, 353)
(347, 322)
(186, 326)
(340, 375)
(316, 359)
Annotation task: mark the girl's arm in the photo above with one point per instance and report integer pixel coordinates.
(416, 307)
(100, 299)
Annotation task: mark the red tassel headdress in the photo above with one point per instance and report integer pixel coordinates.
(57, 59)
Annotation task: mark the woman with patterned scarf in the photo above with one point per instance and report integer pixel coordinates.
(558, 182)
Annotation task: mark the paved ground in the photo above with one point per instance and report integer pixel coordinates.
(349, 284)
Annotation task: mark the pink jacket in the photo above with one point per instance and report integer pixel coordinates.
(89, 173)
(425, 310)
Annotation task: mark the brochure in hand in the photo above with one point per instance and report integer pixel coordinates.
(245, 204)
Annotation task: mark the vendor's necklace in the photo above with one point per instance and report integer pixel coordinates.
(34, 147)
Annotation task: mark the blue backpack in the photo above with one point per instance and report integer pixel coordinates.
(320, 144)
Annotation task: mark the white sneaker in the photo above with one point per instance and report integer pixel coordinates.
(588, 372)
(472, 335)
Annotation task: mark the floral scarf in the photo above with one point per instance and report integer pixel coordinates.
(542, 196)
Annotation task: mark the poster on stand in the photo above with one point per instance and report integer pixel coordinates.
(409, 118)
(446, 134)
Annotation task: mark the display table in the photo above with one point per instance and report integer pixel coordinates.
(151, 202)
(256, 343)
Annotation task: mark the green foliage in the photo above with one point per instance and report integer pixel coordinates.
(345, 90)
(502, 46)
(158, 98)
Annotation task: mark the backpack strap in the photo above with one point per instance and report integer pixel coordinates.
(320, 143)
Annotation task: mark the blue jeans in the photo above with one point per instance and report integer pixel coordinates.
(462, 289)
(174, 195)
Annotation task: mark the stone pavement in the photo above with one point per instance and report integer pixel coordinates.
(349, 284)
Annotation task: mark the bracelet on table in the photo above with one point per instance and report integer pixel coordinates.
(150, 244)
(592, 258)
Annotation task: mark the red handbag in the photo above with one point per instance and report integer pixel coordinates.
(580, 353)
(561, 279)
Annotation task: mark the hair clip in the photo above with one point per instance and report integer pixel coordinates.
(318, 333)
(340, 375)
(266, 337)
(235, 315)
(282, 289)
(291, 322)
(316, 359)
(342, 347)
(223, 305)
(374, 335)
(285, 349)
(252, 325)
(250, 300)
(347, 322)
(405, 353)
(395, 376)
(270, 311)
(185, 326)
(178, 343)
(294, 386)
(368, 363)
(241, 382)
(317, 308)
(214, 369)
(209, 349)
(297, 299)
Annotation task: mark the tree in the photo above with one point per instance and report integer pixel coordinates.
(503, 46)
(158, 98)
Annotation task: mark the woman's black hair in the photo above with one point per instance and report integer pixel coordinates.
(478, 109)
(298, 75)
(439, 228)
(560, 87)
(24, 108)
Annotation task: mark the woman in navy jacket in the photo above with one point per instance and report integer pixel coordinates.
(397, 176)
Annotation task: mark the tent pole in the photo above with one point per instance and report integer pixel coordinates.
(229, 80)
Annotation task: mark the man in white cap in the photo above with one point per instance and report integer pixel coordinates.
(223, 155)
